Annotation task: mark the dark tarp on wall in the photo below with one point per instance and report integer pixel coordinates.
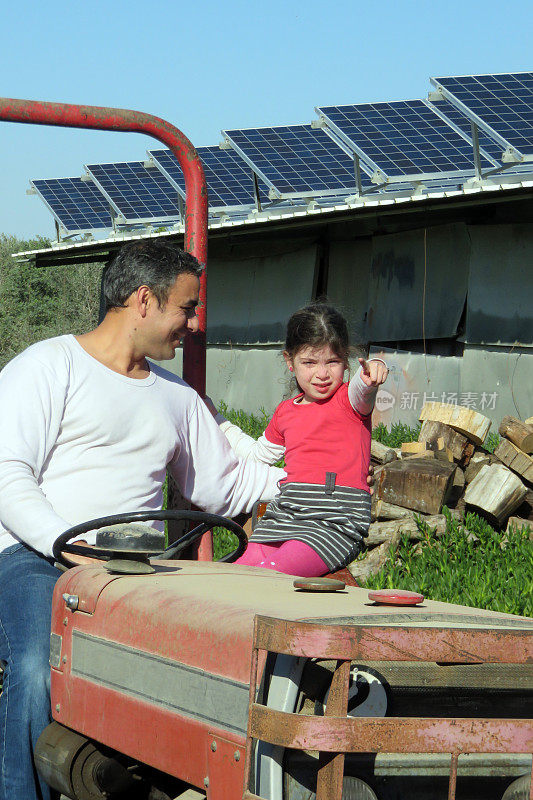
(348, 271)
(500, 291)
(396, 284)
(250, 299)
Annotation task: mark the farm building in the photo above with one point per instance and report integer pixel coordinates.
(441, 284)
(406, 215)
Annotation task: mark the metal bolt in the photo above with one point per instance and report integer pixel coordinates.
(58, 707)
(206, 782)
(237, 755)
(64, 659)
(71, 601)
(214, 746)
(65, 622)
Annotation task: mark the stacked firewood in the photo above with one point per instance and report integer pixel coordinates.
(448, 465)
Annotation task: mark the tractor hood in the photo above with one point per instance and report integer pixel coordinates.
(157, 666)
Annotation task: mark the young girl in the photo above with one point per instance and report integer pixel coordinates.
(317, 522)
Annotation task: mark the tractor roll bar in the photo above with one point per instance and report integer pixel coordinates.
(36, 112)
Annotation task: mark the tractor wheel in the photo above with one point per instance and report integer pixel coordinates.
(519, 789)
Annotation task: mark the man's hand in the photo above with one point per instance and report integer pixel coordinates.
(373, 372)
(76, 559)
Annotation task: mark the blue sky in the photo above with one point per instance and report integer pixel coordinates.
(210, 65)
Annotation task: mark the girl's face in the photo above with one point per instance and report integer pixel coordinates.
(318, 370)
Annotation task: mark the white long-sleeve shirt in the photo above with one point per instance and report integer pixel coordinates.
(79, 441)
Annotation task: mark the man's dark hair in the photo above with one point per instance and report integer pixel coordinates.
(150, 263)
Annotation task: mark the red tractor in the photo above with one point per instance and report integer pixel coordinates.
(193, 679)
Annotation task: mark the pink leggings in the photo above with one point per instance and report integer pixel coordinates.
(291, 557)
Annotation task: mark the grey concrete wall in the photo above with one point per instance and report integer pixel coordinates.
(491, 381)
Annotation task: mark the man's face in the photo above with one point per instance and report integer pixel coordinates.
(166, 326)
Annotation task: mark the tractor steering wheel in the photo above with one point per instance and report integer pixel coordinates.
(206, 522)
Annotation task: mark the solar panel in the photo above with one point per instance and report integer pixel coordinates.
(488, 147)
(229, 179)
(501, 105)
(402, 140)
(296, 160)
(137, 193)
(76, 204)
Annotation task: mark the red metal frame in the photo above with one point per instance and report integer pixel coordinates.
(336, 734)
(64, 115)
(36, 112)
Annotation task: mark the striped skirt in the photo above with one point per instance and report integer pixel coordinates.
(332, 523)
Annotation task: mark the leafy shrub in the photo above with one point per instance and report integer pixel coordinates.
(37, 303)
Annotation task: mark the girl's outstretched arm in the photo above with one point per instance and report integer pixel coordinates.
(245, 446)
(364, 385)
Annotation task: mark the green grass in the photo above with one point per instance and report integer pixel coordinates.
(491, 442)
(397, 435)
(249, 423)
(470, 564)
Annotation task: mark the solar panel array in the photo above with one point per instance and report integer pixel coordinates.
(295, 160)
(404, 140)
(229, 179)
(502, 105)
(76, 204)
(370, 148)
(138, 194)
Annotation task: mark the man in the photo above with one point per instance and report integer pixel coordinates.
(88, 427)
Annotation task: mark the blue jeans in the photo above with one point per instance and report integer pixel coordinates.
(26, 584)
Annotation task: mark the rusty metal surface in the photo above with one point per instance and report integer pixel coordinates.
(453, 777)
(331, 766)
(314, 640)
(252, 695)
(65, 115)
(391, 734)
(335, 733)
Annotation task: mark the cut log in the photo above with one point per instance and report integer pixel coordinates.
(381, 453)
(518, 433)
(515, 459)
(382, 531)
(529, 421)
(461, 448)
(419, 483)
(468, 422)
(478, 460)
(496, 492)
(525, 510)
(518, 522)
(459, 479)
(415, 448)
(371, 564)
(440, 455)
(383, 510)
